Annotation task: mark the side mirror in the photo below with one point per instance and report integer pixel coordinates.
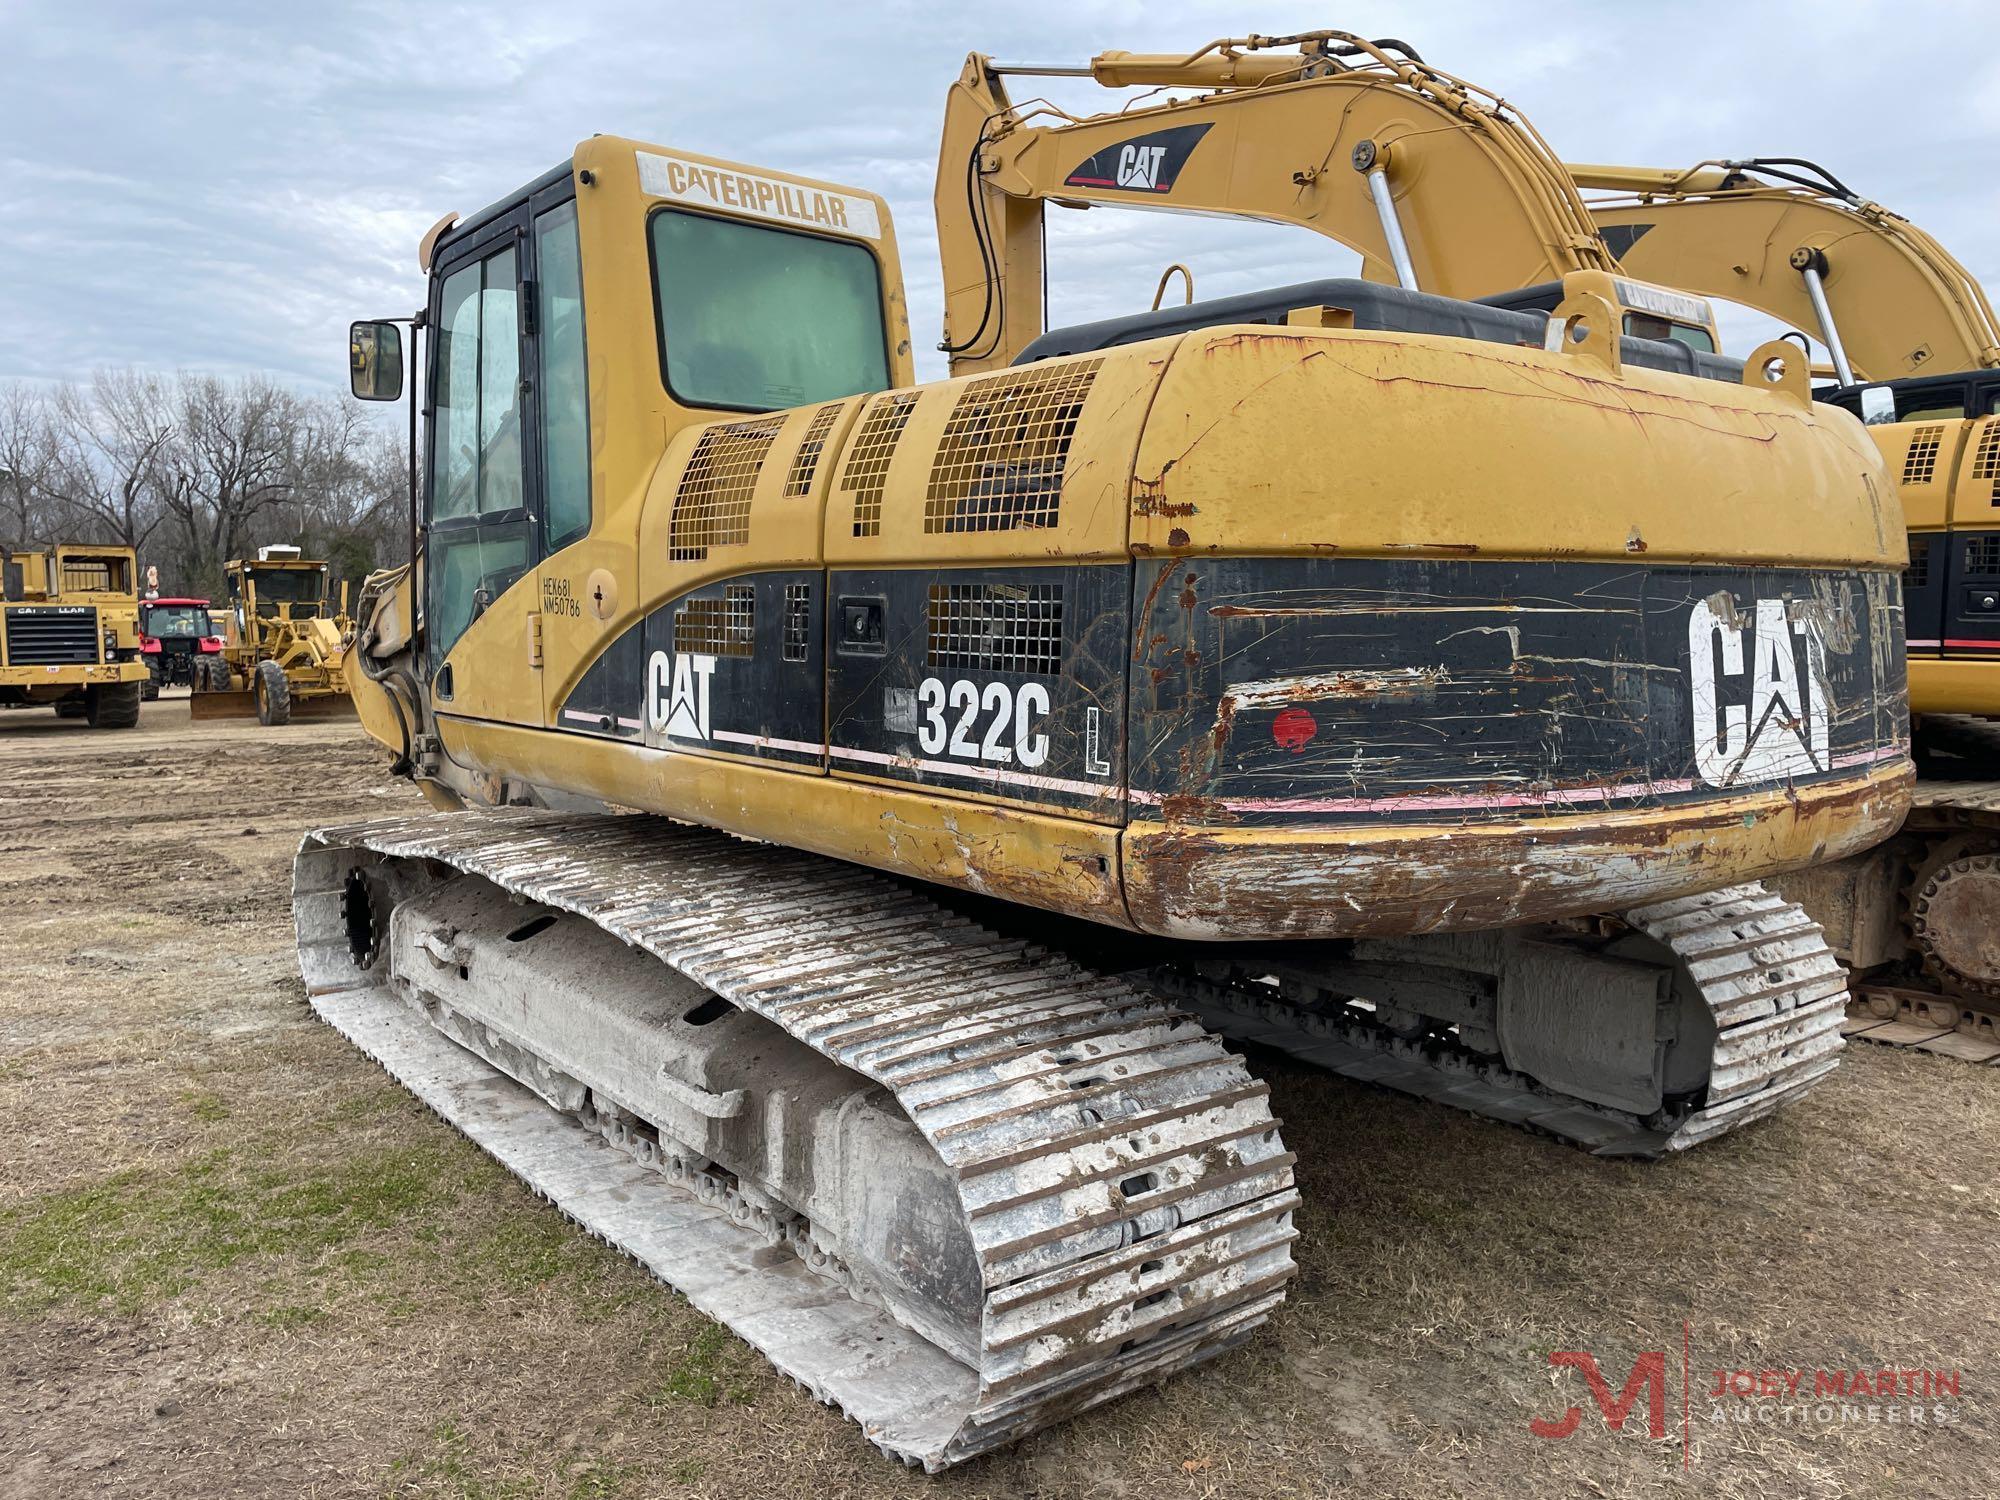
(1878, 405)
(375, 361)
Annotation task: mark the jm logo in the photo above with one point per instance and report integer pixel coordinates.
(1759, 685)
(1648, 1377)
(1139, 166)
(677, 694)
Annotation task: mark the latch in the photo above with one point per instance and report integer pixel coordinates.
(535, 639)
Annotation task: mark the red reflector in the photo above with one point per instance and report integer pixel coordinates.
(1293, 728)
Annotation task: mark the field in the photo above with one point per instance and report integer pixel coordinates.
(236, 1260)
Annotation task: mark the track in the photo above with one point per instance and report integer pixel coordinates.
(1048, 1092)
(1774, 989)
(1948, 1002)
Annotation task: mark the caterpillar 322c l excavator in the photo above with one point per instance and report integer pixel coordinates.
(1418, 685)
(1916, 353)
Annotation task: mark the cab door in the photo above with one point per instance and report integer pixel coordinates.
(480, 533)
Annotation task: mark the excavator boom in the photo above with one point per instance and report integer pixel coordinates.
(1435, 182)
(1803, 248)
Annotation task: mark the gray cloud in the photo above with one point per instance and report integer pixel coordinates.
(222, 186)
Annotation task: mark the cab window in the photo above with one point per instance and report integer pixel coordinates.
(755, 319)
(1651, 326)
(1932, 405)
(565, 414)
(478, 539)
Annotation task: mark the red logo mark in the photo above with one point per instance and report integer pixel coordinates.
(1293, 728)
(1649, 1373)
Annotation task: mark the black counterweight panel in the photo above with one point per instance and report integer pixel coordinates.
(1007, 680)
(1301, 689)
(732, 667)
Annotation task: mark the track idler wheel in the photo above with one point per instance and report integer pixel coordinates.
(1955, 919)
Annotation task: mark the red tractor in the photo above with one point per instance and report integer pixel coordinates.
(180, 644)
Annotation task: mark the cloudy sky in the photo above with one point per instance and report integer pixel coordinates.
(222, 186)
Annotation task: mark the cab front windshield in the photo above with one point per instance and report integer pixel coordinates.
(176, 620)
(289, 585)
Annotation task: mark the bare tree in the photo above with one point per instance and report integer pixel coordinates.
(195, 470)
(28, 464)
(111, 442)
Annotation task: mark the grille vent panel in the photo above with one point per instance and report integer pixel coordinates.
(60, 636)
(866, 471)
(719, 627)
(999, 465)
(1920, 463)
(805, 463)
(1918, 574)
(712, 505)
(1986, 461)
(985, 627)
(798, 620)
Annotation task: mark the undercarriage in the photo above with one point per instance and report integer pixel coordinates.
(963, 1182)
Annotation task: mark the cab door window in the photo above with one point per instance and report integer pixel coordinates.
(479, 534)
(565, 420)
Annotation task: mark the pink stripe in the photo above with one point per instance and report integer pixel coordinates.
(768, 742)
(978, 773)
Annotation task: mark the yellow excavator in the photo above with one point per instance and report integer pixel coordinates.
(1371, 673)
(1915, 352)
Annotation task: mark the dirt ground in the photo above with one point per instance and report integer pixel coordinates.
(236, 1260)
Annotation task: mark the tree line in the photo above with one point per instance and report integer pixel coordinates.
(192, 470)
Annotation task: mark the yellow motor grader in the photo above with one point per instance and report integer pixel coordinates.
(285, 649)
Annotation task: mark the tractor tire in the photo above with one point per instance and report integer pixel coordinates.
(211, 675)
(274, 694)
(150, 689)
(71, 708)
(114, 705)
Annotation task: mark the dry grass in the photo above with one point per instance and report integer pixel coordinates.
(234, 1260)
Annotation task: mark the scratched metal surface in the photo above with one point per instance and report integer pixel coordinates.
(1438, 690)
(1046, 1087)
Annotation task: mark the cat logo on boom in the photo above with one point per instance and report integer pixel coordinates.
(1144, 164)
(1139, 166)
(1759, 715)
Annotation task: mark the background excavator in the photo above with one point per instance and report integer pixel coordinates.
(1915, 349)
(1388, 677)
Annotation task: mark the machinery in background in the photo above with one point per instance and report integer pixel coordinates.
(1392, 679)
(1915, 348)
(69, 633)
(181, 645)
(285, 653)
